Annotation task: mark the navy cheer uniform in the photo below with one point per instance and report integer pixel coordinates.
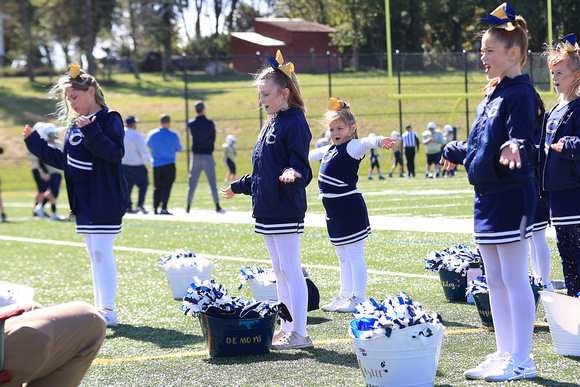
(347, 218)
(91, 160)
(283, 143)
(502, 196)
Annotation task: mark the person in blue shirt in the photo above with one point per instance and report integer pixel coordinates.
(163, 143)
(559, 157)
(277, 184)
(498, 157)
(96, 187)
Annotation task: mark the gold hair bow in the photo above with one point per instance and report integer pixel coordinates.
(278, 64)
(336, 104)
(74, 70)
(569, 43)
(502, 17)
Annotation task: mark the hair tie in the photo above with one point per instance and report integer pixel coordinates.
(278, 64)
(337, 103)
(569, 43)
(74, 70)
(502, 17)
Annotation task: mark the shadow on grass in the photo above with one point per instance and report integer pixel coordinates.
(316, 320)
(163, 338)
(321, 355)
(552, 383)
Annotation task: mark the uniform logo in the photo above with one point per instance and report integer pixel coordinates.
(271, 139)
(329, 155)
(492, 112)
(75, 139)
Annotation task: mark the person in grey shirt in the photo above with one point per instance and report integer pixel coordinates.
(135, 163)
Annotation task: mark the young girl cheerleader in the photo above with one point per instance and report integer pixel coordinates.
(559, 157)
(91, 160)
(498, 158)
(346, 212)
(277, 184)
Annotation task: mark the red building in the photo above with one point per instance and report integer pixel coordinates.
(302, 42)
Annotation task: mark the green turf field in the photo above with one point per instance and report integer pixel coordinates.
(156, 345)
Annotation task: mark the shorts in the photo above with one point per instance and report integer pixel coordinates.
(231, 166)
(54, 184)
(497, 217)
(398, 158)
(40, 183)
(433, 158)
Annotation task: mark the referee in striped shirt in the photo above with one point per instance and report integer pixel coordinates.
(410, 141)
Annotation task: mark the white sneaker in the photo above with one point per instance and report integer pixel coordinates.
(292, 340)
(278, 335)
(336, 302)
(512, 368)
(40, 212)
(350, 304)
(55, 216)
(110, 317)
(490, 363)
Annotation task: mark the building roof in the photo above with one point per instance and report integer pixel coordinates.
(258, 39)
(295, 24)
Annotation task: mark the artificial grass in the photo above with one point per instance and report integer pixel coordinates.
(156, 345)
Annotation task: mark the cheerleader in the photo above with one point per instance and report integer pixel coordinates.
(277, 184)
(346, 212)
(559, 163)
(96, 187)
(498, 157)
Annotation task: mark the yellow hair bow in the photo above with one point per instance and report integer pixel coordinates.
(336, 104)
(569, 43)
(502, 17)
(278, 64)
(74, 70)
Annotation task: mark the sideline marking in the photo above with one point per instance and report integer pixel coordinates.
(208, 256)
(315, 342)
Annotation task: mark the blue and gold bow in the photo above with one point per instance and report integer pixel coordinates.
(278, 64)
(502, 17)
(74, 70)
(336, 104)
(569, 43)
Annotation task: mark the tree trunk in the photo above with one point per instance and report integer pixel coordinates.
(217, 7)
(134, 61)
(26, 28)
(198, 5)
(90, 37)
(230, 19)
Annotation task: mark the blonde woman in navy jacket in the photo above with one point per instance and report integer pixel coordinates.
(96, 186)
(560, 157)
(498, 157)
(277, 185)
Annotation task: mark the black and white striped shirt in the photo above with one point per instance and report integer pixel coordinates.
(410, 139)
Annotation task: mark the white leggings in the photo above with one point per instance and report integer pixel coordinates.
(284, 251)
(540, 256)
(353, 269)
(104, 268)
(511, 298)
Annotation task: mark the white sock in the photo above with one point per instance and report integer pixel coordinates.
(284, 251)
(104, 269)
(353, 269)
(540, 256)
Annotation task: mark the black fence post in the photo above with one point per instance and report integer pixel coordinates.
(329, 74)
(466, 89)
(398, 55)
(259, 63)
(531, 65)
(186, 106)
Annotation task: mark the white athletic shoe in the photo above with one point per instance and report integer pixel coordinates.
(512, 368)
(336, 302)
(491, 361)
(350, 304)
(110, 317)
